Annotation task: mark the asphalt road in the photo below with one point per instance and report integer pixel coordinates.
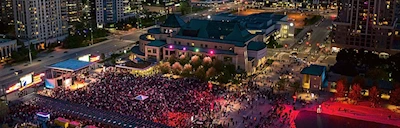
(318, 35)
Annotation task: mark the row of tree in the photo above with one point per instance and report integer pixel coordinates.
(23, 53)
(204, 68)
(353, 91)
(81, 34)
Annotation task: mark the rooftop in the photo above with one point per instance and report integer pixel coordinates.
(137, 51)
(70, 65)
(154, 31)
(238, 44)
(4, 40)
(315, 70)
(173, 21)
(202, 50)
(256, 46)
(216, 31)
(144, 37)
(254, 21)
(157, 43)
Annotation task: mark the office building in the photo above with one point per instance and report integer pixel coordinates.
(6, 13)
(368, 24)
(72, 10)
(39, 22)
(110, 11)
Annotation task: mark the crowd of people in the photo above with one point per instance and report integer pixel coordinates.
(117, 92)
(183, 102)
(26, 113)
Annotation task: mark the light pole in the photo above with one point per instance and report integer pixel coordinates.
(30, 54)
(91, 34)
(3, 93)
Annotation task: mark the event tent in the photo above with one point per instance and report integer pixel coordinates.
(141, 97)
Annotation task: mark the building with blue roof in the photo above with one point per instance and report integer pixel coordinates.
(66, 72)
(229, 41)
(314, 77)
(70, 65)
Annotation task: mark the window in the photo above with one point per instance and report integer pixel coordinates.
(206, 46)
(201, 45)
(215, 46)
(227, 59)
(154, 50)
(187, 44)
(192, 44)
(174, 42)
(166, 52)
(172, 52)
(149, 50)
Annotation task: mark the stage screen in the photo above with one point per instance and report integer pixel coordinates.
(85, 58)
(25, 80)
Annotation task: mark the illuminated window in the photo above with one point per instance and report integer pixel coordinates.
(192, 44)
(390, 33)
(396, 33)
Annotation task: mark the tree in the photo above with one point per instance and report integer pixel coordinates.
(296, 86)
(340, 88)
(4, 110)
(211, 72)
(207, 61)
(373, 95)
(359, 80)
(195, 61)
(183, 59)
(172, 59)
(177, 68)
(185, 7)
(395, 97)
(218, 65)
(355, 93)
(165, 67)
(376, 74)
(187, 70)
(281, 84)
(272, 43)
(200, 73)
(73, 41)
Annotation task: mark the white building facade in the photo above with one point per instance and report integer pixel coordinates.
(7, 46)
(40, 22)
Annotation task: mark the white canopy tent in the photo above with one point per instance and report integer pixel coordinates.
(141, 97)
